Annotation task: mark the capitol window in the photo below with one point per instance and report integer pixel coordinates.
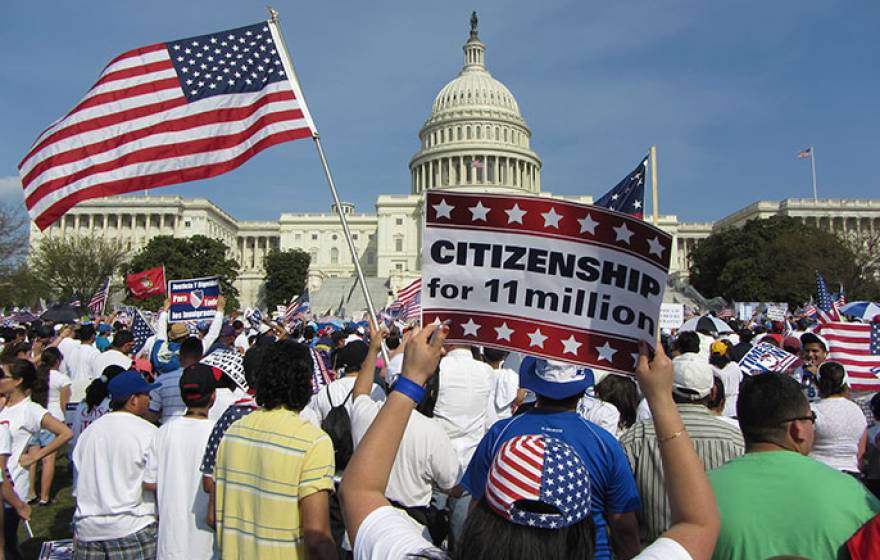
(398, 266)
(399, 221)
(335, 237)
(334, 256)
(187, 223)
(314, 237)
(398, 245)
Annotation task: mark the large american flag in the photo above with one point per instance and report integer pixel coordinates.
(165, 114)
(99, 300)
(857, 347)
(298, 306)
(628, 196)
(141, 330)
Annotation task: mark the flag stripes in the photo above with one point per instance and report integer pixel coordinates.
(857, 347)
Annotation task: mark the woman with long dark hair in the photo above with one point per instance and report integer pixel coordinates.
(25, 419)
(52, 391)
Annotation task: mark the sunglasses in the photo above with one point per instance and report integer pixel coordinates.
(811, 418)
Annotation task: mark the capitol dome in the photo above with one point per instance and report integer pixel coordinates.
(475, 138)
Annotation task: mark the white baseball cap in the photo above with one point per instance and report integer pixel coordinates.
(693, 376)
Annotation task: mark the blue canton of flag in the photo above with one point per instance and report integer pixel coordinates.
(825, 302)
(628, 196)
(141, 330)
(234, 61)
(875, 340)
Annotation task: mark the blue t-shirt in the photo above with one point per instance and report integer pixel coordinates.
(611, 480)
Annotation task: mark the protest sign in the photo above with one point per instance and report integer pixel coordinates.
(671, 315)
(776, 312)
(766, 357)
(193, 299)
(745, 310)
(545, 277)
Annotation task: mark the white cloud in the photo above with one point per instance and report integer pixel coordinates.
(10, 190)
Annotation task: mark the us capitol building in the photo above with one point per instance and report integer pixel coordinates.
(475, 139)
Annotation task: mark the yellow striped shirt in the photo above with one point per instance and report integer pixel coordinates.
(267, 462)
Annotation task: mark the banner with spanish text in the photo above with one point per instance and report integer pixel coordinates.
(193, 299)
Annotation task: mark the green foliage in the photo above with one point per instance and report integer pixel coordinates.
(20, 287)
(775, 259)
(286, 274)
(195, 257)
(75, 265)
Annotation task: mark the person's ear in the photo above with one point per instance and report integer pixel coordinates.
(800, 433)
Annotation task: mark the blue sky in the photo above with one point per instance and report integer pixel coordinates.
(729, 91)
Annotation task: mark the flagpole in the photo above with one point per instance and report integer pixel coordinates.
(654, 184)
(813, 166)
(288, 63)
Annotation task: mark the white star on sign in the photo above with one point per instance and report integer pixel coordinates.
(614, 196)
(637, 204)
(571, 345)
(551, 218)
(588, 224)
(503, 332)
(537, 338)
(479, 212)
(470, 328)
(655, 247)
(515, 214)
(443, 210)
(606, 352)
(623, 233)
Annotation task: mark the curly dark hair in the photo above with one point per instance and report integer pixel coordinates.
(285, 379)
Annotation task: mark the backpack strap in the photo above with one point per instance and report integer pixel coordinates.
(348, 396)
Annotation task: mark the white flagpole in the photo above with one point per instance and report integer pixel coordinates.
(297, 91)
(813, 166)
(656, 212)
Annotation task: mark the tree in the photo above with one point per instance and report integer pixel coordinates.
(22, 288)
(13, 242)
(286, 274)
(775, 259)
(77, 265)
(195, 257)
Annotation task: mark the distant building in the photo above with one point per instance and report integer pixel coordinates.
(474, 140)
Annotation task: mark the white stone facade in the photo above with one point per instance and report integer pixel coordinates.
(475, 139)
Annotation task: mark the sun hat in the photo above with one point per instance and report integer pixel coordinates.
(542, 471)
(178, 331)
(554, 379)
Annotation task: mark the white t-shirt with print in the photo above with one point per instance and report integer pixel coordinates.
(57, 381)
(388, 532)
(24, 421)
(111, 458)
(424, 459)
(173, 464)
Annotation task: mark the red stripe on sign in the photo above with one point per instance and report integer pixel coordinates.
(122, 186)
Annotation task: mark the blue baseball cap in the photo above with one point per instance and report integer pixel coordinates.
(554, 379)
(129, 383)
(104, 328)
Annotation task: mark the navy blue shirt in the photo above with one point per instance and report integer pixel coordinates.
(612, 484)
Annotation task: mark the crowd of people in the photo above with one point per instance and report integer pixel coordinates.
(243, 438)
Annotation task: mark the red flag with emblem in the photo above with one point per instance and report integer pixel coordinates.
(148, 283)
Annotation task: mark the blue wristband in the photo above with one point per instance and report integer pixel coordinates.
(409, 388)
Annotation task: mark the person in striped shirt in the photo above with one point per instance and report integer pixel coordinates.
(274, 470)
(715, 441)
(165, 401)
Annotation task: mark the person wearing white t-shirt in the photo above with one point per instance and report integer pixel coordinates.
(81, 362)
(506, 394)
(841, 426)
(119, 353)
(241, 343)
(66, 342)
(173, 470)
(25, 419)
(165, 402)
(426, 458)
(349, 359)
(113, 510)
(55, 400)
(10, 498)
(380, 531)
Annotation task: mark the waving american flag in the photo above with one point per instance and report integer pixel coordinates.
(164, 114)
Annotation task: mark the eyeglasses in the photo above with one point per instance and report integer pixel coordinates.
(811, 418)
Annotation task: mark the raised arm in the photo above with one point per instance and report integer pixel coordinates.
(695, 519)
(363, 487)
(363, 385)
(216, 325)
